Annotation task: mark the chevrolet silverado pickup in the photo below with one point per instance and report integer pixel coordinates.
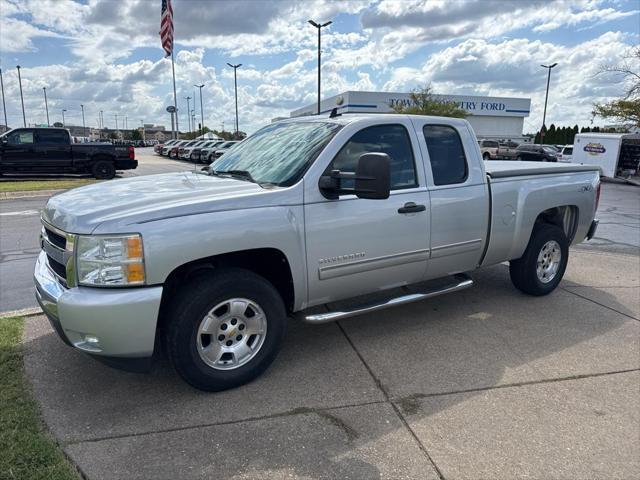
(314, 218)
(49, 150)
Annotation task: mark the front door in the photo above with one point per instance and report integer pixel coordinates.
(355, 245)
(18, 153)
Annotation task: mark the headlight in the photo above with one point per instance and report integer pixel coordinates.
(110, 260)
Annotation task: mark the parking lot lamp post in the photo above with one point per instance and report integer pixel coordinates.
(144, 136)
(319, 26)
(235, 84)
(63, 124)
(116, 115)
(24, 117)
(4, 106)
(546, 97)
(188, 110)
(46, 106)
(84, 128)
(201, 110)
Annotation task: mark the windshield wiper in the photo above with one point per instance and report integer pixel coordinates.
(240, 174)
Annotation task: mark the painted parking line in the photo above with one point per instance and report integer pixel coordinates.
(23, 213)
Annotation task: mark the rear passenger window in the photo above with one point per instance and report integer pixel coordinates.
(390, 139)
(448, 162)
(52, 136)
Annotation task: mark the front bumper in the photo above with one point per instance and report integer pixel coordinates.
(592, 229)
(106, 322)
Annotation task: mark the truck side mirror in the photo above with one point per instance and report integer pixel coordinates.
(4, 140)
(373, 176)
(371, 179)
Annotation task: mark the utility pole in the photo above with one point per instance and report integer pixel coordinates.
(46, 106)
(116, 115)
(546, 97)
(188, 114)
(4, 106)
(24, 118)
(63, 123)
(201, 111)
(235, 84)
(144, 136)
(319, 26)
(84, 128)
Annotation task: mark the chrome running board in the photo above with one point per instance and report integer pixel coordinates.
(459, 282)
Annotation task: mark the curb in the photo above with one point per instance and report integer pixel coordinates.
(28, 194)
(24, 312)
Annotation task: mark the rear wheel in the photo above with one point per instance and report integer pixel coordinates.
(541, 268)
(225, 328)
(103, 170)
(486, 156)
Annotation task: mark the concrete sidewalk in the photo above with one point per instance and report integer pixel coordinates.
(485, 383)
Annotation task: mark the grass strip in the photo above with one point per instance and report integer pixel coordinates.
(26, 450)
(35, 185)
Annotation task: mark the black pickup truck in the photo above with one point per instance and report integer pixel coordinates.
(49, 150)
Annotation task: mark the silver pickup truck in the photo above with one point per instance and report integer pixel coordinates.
(317, 219)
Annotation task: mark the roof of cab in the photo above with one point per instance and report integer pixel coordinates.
(347, 118)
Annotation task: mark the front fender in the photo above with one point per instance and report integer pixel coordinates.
(172, 242)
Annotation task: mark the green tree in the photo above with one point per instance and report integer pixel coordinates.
(136, 135)
(627, 108)
(423, 102)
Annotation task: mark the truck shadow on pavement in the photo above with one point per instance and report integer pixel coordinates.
(354, 399)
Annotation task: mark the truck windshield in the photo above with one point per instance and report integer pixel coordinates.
(278, 154)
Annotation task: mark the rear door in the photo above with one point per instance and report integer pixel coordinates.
(459, 196)
(355, 245)
(53, 148)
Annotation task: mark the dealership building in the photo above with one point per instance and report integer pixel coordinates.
(498, 118)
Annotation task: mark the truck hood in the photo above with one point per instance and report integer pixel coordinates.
(118, 204)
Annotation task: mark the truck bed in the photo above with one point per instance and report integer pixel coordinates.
(502, 169)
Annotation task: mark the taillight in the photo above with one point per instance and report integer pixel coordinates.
(598, 194)
(132, 153)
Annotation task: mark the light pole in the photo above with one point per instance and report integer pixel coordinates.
(84, 128)
(188, 114)
(116, 115)
(193, 122)
(144, 136)
(46, 106)
(63, 124)
(235, 84)
(319, 26)
(101, 117)
(201, 111)
(24, 118)
(4, 106)
(546, 97)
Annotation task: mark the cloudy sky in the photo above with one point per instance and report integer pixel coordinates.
(106, 54)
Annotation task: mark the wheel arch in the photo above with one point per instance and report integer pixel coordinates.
(566, 217)
(270, 263)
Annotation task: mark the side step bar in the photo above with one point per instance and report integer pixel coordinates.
(459, 282)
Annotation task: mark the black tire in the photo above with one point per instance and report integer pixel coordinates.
(486, 156)
(523, 271)
(103, 170)
(519, 158)
(193, 302)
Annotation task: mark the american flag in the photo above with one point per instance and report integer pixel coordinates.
(166, 27)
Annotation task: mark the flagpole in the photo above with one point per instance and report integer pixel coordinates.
(175, 97)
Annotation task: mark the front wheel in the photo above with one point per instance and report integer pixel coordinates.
(225, 328)
(541, 268)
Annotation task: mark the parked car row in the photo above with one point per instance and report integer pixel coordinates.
(495, 150)
(197, 151)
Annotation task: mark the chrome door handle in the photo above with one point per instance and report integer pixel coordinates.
(411, 207)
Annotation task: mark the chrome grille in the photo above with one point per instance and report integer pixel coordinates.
(59, 255)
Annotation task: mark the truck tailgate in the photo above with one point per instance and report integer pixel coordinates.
(501, 169)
